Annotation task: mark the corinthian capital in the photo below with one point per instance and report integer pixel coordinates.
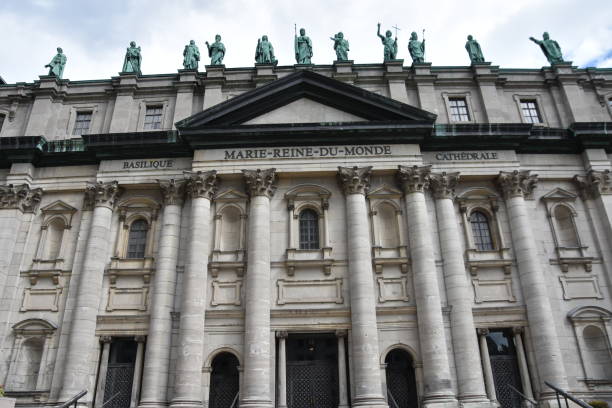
(172, 191)
(20, 197)
(100, 194)
(201, 184)
(414, 179)
(260, 182)
(354, 180)
(443, 184)
(517, 183)
(594, 184)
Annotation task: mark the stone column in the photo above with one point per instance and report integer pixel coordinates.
(355, 183)
(282, 369)
(470, 382)
(522, 362)
(157, 358)
(342, 386)
(436, 371)
(106, 341)
(89, 289)
(486, 364)
(260, 185)
(515, 185)
(136, 379)
(188, 373)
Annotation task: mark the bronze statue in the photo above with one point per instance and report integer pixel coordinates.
(264, 53)
(416, 48)
(57, 64)
(133, 59)
(216, 51)
(550, 48)
(473, 49)
(191, 56)
(389, 44)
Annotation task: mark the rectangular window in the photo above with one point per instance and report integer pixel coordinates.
(459, 110)
(530, 111)
(153, 117)
(81, 123)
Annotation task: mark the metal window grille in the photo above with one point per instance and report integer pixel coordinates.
(481, 231)
(459, 110)
(82, 122)
(137, 239)
(153, 117)
(309, 229)
(530, 111)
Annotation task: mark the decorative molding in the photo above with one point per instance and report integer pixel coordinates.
(101, 194)
(493, 290)
(309, 291)
(443, 184)
(393, 289)
(354, 180)
(201, 184)
(226, 293)
(260, 182)
(172, 191)
(41, 299)
(20, 197)
(414, 179)
(517, 183)
(594, 184)
(580, 287)
(127, 299)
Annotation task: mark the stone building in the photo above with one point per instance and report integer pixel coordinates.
(307, 236)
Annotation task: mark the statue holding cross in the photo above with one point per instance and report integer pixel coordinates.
(389, 44)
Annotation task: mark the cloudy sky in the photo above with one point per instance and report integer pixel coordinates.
(94, 34)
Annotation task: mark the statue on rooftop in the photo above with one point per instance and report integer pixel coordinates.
(57, 64)
(341, 46)
(416, 48)
(550, 48)
(303, 48)
(133, 59)
(473, 49)
(191, 56)
(389, 44)
(216, 51)
(264, 53)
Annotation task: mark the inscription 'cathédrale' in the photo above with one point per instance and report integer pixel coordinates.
(311, 151)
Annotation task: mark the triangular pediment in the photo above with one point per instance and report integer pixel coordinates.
(385, 191)
(301, 91)
(230, 195)
(559, 194)
(58, 207)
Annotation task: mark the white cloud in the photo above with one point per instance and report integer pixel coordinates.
(95, 35)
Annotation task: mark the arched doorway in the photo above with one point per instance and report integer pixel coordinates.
(401, 380)
(224, 384)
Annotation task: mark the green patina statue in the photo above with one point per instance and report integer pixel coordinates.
(191, 56)
(303, 48)
(264, 53)
(57, 64)
(341, 46)
(389, 44)
(416, 48)
(133, 60)
(550, 48)
(216, 51)
(473, 49)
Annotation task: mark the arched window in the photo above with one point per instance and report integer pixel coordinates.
(137, 240)
(55, 233)
(566, 232)
(230, 229)
(387, 223)
(28, 364)
(597, 353)
(224, 384)
(309, 229)
(401, 380)
(481, 231)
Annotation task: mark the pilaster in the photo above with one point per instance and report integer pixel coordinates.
(185, 87)
(125, 87)
(213, 85)
(487, 77)
(396, 78)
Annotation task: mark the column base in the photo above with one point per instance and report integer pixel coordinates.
(374, 401)
(478, 403)
(152, 404)
(440, 401)
(186, 404)
(256, 404)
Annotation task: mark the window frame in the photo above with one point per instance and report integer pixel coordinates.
(467, 97)
(142, 240)
(76, 122)
(144, 104)
(77, 108)
(313, 231)
(475, 239)
(518, 98)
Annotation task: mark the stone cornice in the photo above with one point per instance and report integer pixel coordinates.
(414, 179)
(443, 184)
(172, 191)
(20, 197)
(594, 184)
(516, 183)
(354, 180)
(260, 182)
(201, 184)
(101, 194)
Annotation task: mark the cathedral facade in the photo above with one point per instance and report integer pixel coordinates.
(346, 235)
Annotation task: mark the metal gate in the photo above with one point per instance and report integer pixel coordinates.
(506, 371)
(120, 373)
(224, 383)
(401, 380)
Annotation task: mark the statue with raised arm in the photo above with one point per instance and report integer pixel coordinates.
(303, 48)
(473, 50)
(264, 53)
(550, 48)
(191, 56)
(57, 64)
(389, 44)
(341, 46)
(416, 48)
(133, 59)
(216, 51)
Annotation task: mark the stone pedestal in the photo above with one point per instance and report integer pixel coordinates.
(200, 188)
(343, 71)
(185, 86)
(364, 329)
(124, 101)
(396, 78)
(264, 73)
(486, 76)
(213, 84)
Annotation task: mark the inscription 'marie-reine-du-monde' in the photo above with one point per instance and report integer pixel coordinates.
(304, 152)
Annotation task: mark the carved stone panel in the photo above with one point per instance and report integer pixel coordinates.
(41, 299)
(226, 293)
(390, 289)
(127, 299)
(310, 291)
(493, 290)
(580, 287)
